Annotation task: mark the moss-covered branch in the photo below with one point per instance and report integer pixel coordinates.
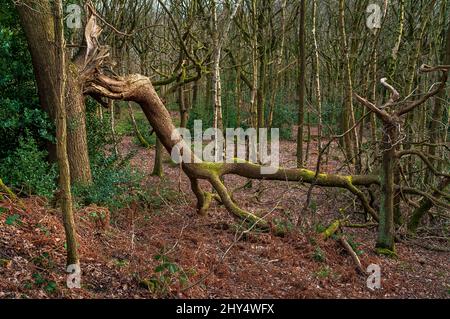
(425, 205)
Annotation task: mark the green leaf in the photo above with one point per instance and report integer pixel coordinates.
(38, 279)
(160, 268)
(172, 268)
(13, 219)
(183, 280)
(51, 287)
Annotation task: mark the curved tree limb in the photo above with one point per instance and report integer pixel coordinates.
(424, 158)
(427, 69)
(140, 89)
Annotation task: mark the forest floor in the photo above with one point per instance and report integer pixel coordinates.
(205, 257)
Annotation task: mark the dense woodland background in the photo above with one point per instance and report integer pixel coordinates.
(368, 160)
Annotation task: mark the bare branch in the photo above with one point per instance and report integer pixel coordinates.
(383, 115)
(424, 158)
(427, 69)
(394, 93)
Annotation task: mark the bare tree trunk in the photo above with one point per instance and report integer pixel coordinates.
(113, 130)
(138, 133)
(437, 125)
(217, 86)
(317, 78)
(38, 23)
(277, 71)
(195, 94)
(184, 112)
(238, 95)
(80, 171)
(348, 116)
(158, 169)
(158, 165)
(386, 226)
(254, 45)
(400, 30)
(61, 136)
(301, 84)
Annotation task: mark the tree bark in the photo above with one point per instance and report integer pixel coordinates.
(57, 93)
(386, 225)
(317, 80)
(301, 84)
(38, 24)
(348, 115)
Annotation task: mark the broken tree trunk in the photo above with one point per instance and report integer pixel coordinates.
(139, 89)
(392, 139)
(38, 23)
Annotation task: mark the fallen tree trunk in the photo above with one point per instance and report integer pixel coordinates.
(139, 89)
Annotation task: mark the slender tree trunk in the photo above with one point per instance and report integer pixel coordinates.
(437, 125)
(348, 118)
(261, 92)
(138, 133)
(400, 30)
(113, 124)
(301, 83)
(61, 136)
(409, 121)
(158, 165)
(254, 45)
(195, 94)
(184, 113)
(277, 71)
(317, 79)
(238, 95)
